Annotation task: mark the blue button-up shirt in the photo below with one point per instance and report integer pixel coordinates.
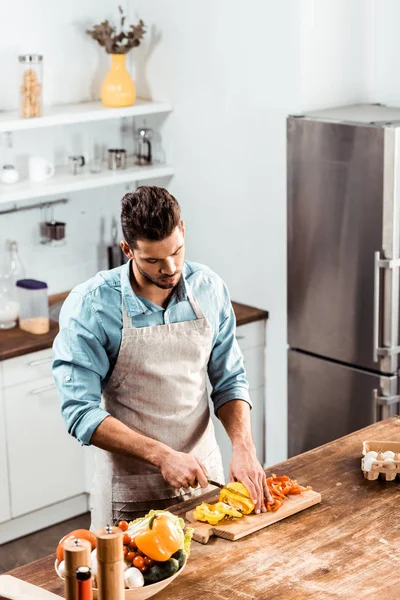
(86, 349)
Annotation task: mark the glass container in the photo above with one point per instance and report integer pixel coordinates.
(33, 306)
(31, 85)
(12, 270)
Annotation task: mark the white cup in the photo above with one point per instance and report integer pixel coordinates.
(39, 168)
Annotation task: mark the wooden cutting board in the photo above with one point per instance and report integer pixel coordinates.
(12, 588)
(238, 528)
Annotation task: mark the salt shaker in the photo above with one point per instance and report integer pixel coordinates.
(110, 564)
(76, 554)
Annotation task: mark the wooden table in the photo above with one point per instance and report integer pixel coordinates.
(348, 547)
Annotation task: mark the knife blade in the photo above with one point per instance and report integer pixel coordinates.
(226, 487)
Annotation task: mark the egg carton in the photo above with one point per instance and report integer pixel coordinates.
(381, 458)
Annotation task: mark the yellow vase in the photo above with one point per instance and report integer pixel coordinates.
(118, 88)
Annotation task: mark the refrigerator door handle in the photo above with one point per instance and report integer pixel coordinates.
(377, 285)
(378, 265)
(383, 404)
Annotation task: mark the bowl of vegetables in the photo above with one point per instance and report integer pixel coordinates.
(156, 548)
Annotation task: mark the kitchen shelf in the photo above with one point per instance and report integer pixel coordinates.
(82, 112)
(63, 183)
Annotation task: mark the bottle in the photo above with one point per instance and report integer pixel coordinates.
(16, 267)
(110, 564)
(84, 583)
(12, 270)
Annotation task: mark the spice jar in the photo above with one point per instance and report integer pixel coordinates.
(31, 85)
(33, 306)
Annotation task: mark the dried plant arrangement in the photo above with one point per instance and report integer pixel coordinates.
(118, 42)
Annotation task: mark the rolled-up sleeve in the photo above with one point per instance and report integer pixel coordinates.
(225, 368)
(80, 363)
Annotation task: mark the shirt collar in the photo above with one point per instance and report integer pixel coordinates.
(133, 304)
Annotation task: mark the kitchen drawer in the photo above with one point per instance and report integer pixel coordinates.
(45, 463)
(254, 363)
(28, 367)
(251, 335)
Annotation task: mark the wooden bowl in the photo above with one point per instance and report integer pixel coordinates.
(142, 593)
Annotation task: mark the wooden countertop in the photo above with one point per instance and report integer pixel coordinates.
(15, 342)
(347, 547)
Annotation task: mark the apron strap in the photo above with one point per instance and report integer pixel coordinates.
(126, 320)
(195, 306)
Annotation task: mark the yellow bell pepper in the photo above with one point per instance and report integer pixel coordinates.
(213, 513)
(161, 540)
(238, 501)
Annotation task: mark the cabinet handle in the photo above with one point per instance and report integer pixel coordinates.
(42, 390)
(240, 337)
(39, 361)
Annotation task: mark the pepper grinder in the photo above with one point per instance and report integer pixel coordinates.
(110, 564)
(76, 554)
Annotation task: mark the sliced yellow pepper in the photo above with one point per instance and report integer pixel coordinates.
(213, 513)
(237, 501)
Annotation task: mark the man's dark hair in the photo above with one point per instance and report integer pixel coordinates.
(150, 213)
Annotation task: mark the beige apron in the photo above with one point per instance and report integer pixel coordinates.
(158, 389)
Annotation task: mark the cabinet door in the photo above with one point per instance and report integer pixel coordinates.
(46, 463)
(5, 509)
(254, 363)
(251, 335)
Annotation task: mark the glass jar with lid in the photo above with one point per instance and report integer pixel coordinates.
(33, 306)
(31, 85)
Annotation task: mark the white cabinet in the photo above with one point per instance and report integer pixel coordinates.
(27, 368)
(42, 470)
(45, 462)
(251, 339)
(5, 508)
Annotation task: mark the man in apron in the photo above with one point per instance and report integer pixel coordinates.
(131, 361)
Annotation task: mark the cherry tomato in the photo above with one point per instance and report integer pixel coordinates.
(143, 569)
(132, 544)
(125, 550)
(82, 534)
(148, 561)
(138, 562)
(140, 553)
(123, 525)
(130, 557)
(126, 539)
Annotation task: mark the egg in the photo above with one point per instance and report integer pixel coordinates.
(368, 463)
(371, 454)
(93, 557)
(133, 578)
(388, 455)
(61, 568)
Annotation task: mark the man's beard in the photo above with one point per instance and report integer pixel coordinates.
(158, 281)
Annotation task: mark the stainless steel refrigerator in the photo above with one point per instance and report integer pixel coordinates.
(343, 271)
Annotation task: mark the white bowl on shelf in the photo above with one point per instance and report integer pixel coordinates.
(142, 593)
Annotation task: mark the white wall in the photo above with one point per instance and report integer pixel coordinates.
(336, 50)
(386, 63)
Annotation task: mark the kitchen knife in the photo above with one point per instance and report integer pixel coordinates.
(226, 487)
